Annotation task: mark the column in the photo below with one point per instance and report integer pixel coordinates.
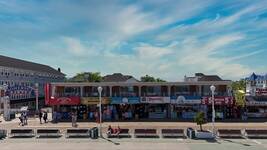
(139, 91)
(169, 91)
(81, 91)
(199, 90)
(110, 91)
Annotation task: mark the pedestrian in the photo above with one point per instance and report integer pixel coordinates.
(40, 116)
(45, 117)
(21, 119)
(73, 119)
(25, 118)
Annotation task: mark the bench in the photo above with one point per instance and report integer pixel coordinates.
(48, 133)
(172, 133)
(2, 134)
(78, 133)
(21, 133)
(256, 133)
(234, 133)
(145, 133)
(123, 133)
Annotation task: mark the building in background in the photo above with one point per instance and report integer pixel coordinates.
(124, 100)
(22, 78)
(256, 96)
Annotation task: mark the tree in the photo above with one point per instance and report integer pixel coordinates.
(239, 92)
(148, 78)
(86, 77)
(200, 119)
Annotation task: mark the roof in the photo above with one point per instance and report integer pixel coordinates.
(22, 64)
(210, 78)
(255, 77)
(117, 77)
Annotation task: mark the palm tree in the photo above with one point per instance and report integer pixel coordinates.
(200, 119)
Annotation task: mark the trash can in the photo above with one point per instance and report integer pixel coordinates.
(3, 134)
(94, 133)
(190, 132)
(12, 116)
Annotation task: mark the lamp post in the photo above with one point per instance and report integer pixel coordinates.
(100, 110)
(36, 96)
(213, 88)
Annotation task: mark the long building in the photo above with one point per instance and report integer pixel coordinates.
(125, 98)
(23, 77)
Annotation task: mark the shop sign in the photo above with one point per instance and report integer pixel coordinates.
(261, 91)
(73, 100)
(256, 103)
(94, 100)
(218, 100)
(125, 100)
(159, 100)
(186, 100)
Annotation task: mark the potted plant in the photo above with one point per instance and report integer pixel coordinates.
(200, 120)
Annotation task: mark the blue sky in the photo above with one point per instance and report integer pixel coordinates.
(162, 38)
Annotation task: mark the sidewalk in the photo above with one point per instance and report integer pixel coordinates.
(34, 123)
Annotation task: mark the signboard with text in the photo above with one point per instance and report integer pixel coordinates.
(72, 100)
(218, 100)
(156, 100)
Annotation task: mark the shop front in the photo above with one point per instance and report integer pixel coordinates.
(156, 107)
(224, 106)
(125, 107)
(186, 107)
(256, 109)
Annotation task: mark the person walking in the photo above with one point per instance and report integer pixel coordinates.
(45, 117)
(40, 116)
(25, 118)
(21, 120)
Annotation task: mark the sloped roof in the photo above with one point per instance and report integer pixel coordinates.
(22, 64)
(117, 77)
(210, 78)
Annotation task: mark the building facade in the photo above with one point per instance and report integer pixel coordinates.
(23, 77)
(256, 96)
(131, 100)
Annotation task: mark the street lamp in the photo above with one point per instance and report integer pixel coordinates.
(36, 96)
(213, 88)
(100, 111)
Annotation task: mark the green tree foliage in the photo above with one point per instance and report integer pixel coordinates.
(86, 77)
(239, 88)
(148, 78)
(200, 119)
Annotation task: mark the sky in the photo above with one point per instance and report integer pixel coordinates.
(162, 38)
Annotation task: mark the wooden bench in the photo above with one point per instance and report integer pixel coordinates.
(48, 133)
(145, 133)
(256, 133)
(3, 134)
(123, 133)
(78, 133)
(234, 133)
(172, 133)
(21, 133)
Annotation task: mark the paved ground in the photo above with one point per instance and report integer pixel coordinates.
(131, 143)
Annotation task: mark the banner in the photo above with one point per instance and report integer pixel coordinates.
(94, 100)
(218, 100)
(125, 100)
(256, 103)
(156, 100)
(191, 100)
(72, 100)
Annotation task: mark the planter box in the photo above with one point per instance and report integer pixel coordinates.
(204, 134)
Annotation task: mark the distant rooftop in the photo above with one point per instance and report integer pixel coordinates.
(254, 77)
(22, 64)
(118, 77)
(202, 77)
